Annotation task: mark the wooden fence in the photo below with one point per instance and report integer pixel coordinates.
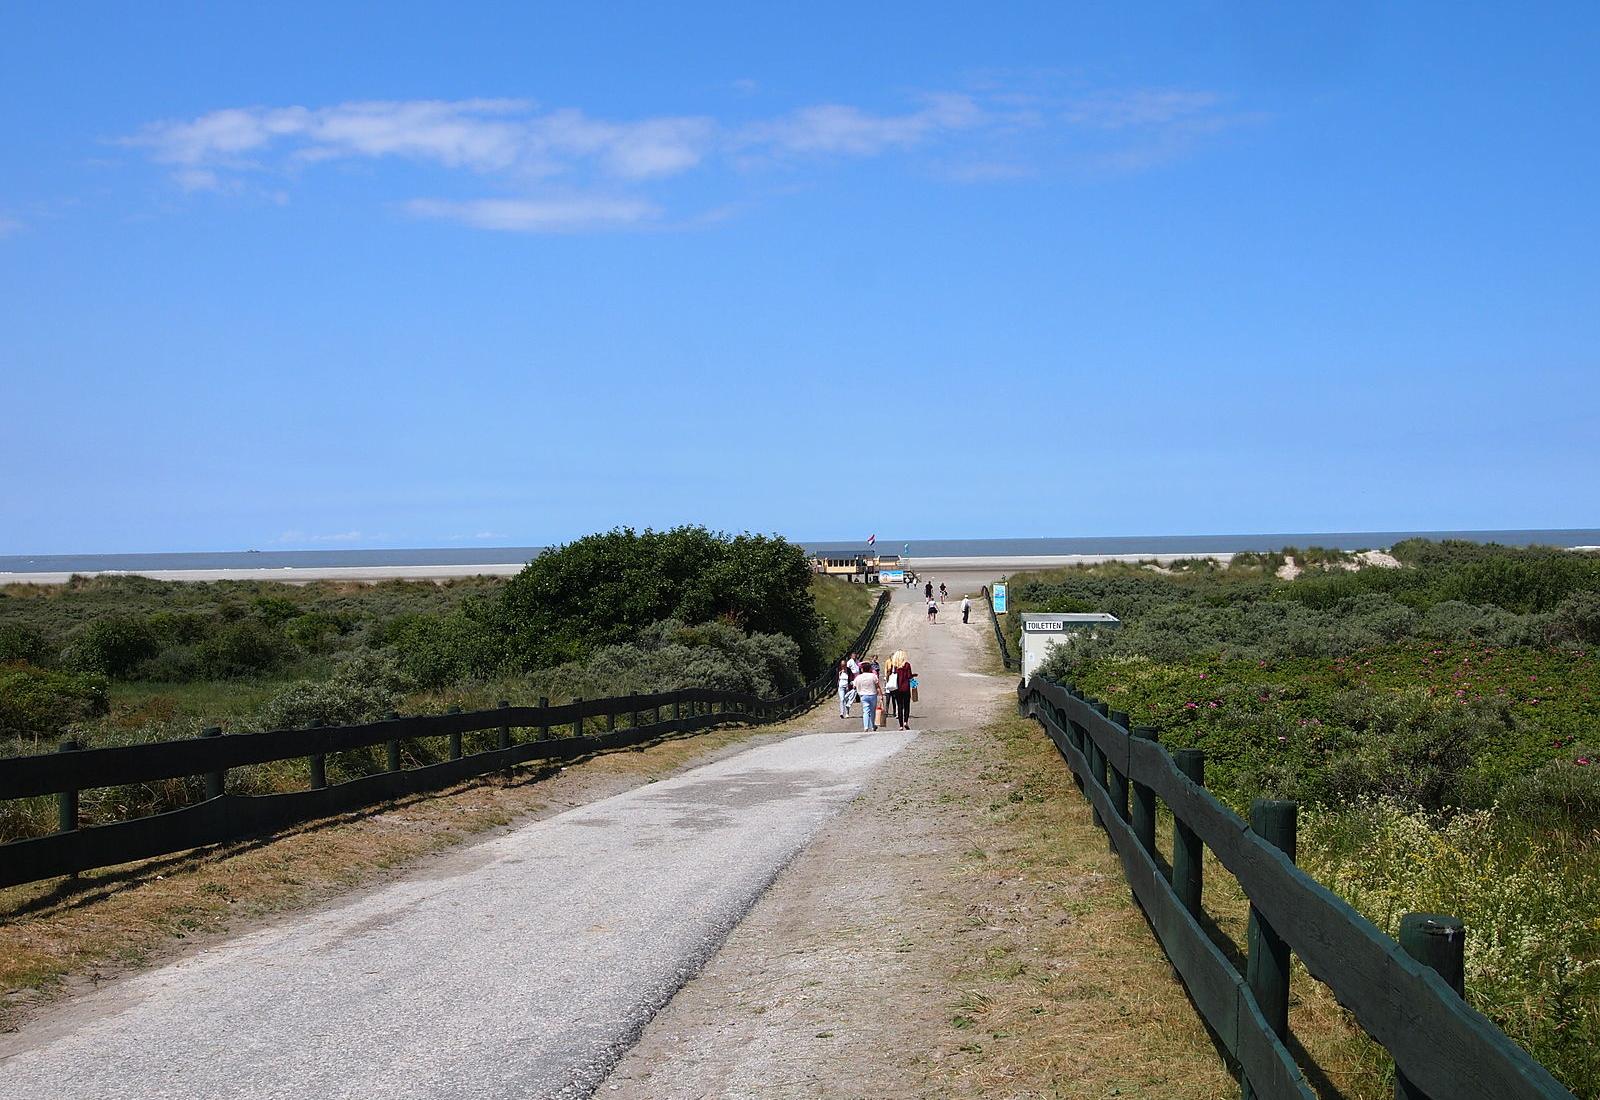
(224, 818)
(999, 634)
(1406, 995)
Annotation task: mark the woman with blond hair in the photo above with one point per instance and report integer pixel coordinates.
(899, 687)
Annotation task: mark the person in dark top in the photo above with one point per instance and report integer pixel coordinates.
(900, 673)
(927, 591)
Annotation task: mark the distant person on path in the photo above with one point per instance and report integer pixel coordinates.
(866, 685)
(853, 664)
(943, 592)
(966, 607)
(927, 590)
(845, 690)
(899, 687)
(933, 610)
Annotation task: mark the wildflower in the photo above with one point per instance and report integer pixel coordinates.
(1202, 676)
(1190, 706)
(1582, 761)
(1213, 703)
(1282, 740)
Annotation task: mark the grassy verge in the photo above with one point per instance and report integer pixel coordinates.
(1063, 991)
(844, 608)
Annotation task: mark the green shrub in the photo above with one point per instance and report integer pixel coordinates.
(438, 650)
(111, 646)
(1562, 794)
(38, 703)
(363, 688)
(21, 642)
(244, 648)
(604, 589)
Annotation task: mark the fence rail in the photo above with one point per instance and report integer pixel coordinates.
(1441, 1046)
(224, 818)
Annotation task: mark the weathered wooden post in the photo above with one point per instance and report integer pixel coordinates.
(544, 730)
(577, 722)
(677, 707)
(611, 721)
(393, 744)
(67, 801)
(1439, 942)
(1144, 801)
(455, 737)
(318, 761)
(503, 735)
(1079, 738)
(1267, 970)
(1097, 756)
(1119, 775)
(217, 781)
(1188, 851)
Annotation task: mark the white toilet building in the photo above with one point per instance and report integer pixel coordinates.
(1041, 630)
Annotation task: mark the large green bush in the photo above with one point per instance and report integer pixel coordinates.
(112, 646)
(37, 703)
(363, 688)
(604, 589)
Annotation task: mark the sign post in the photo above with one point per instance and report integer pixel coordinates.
(999, 599)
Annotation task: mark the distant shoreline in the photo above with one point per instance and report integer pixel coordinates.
(926, 566)
(375, 574)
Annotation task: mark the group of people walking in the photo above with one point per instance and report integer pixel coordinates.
(944, 594)
(880, 690)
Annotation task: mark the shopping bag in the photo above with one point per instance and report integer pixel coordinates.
(880, 717)
(913, 692)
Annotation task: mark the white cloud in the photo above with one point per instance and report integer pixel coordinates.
(564, 170)
(340, 536)
(1116, 110)
(839, 129)
(537, 215)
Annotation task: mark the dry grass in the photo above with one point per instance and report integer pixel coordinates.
(1062, 992)
(57, 934)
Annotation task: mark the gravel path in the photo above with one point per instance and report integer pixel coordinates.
(523, 966)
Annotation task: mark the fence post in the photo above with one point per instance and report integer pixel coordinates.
(611, 721)
(393, 744)
(1439, 942)
(1097, 757)
(455, 736)
(1267, 970)
(1144, 801)
(677, 707)
(577, 722)
(67, 801)
(503, 739)
(1119, 775)
(544, 730)
(1187, 850)
(216, 782)
(318, 761)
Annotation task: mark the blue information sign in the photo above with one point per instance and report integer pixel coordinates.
(999, 599)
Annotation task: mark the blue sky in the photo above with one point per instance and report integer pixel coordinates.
(320, 275)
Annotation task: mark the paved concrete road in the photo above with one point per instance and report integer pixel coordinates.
(522, 966)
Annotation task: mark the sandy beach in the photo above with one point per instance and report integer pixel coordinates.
(374, 573)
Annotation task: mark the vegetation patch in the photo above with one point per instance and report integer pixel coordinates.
(1436, 721)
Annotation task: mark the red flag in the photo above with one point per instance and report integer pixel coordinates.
(871, 539)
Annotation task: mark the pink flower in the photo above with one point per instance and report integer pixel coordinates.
(1213, 703)
(1202, 676)
(1582, 761)
(1190, 706)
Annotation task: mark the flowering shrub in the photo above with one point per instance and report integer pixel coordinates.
(1531, 909)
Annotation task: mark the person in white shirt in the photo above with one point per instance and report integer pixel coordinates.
(866, 685)
(846, 696)
(966, 607)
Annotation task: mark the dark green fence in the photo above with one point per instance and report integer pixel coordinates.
(999, 634)
(1406, 995)
(523, 736)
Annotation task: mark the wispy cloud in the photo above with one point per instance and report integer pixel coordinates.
(537, 215)
(339, 536)
(564, 170)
